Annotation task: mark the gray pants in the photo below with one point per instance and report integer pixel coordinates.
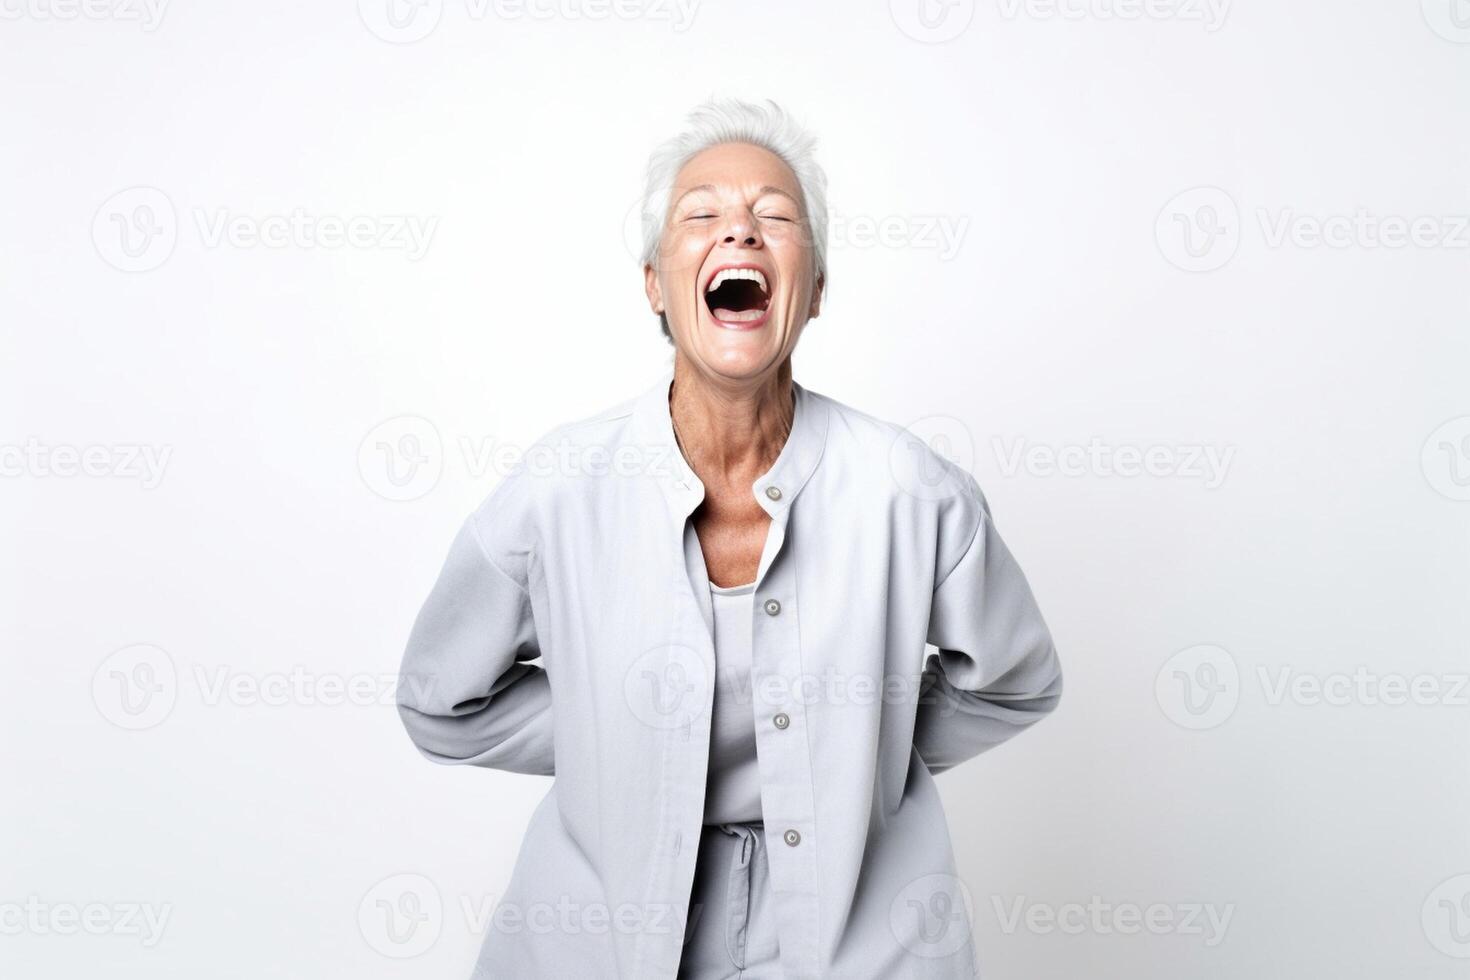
(731, 933)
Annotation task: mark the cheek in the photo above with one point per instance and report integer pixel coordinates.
(797, 270)
(681, 256)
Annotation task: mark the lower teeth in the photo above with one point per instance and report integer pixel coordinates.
(739, 316)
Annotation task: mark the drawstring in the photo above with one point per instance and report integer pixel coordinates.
(746, 832)
(738, 897)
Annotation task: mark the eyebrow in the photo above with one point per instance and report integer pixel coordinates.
(767, 189)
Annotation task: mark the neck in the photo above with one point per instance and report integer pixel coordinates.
(731, 431)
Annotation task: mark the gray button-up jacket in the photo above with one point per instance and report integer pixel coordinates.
(569, 634)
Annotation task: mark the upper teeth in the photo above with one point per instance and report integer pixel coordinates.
(725, 275)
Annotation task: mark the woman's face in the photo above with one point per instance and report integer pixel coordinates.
(735, 273)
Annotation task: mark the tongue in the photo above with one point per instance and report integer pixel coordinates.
(738, 316)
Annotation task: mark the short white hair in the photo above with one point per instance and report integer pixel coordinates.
(733, 121)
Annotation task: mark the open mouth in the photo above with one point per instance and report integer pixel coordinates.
(738, 296)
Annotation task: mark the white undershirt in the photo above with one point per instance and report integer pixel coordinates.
(732, 791)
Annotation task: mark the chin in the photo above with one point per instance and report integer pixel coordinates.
(742, 361)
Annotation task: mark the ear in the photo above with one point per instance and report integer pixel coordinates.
(816, 308)
(651, 288)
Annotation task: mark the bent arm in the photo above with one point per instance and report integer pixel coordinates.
(996, 671)
(465, 692)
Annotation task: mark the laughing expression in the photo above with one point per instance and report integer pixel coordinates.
(736, 271)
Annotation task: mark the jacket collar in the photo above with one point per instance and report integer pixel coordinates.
(775, 490)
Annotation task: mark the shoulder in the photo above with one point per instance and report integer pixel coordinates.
(507, 518)
(907, 461)
(908, 468)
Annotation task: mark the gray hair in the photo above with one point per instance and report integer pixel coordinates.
(733, 121)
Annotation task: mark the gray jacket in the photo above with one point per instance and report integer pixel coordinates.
(585, 558)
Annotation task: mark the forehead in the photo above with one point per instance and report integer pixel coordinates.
(737, 166)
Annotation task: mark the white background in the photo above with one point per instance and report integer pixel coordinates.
(1084, 303)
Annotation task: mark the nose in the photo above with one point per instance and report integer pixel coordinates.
(740, 228)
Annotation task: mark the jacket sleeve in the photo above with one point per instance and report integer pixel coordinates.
(996, 671)
(465, 692)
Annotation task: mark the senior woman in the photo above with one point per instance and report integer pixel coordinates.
(729, 582)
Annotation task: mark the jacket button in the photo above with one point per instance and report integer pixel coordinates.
(773, 492)
(781, 721)
(791, 837)
(772, 607)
